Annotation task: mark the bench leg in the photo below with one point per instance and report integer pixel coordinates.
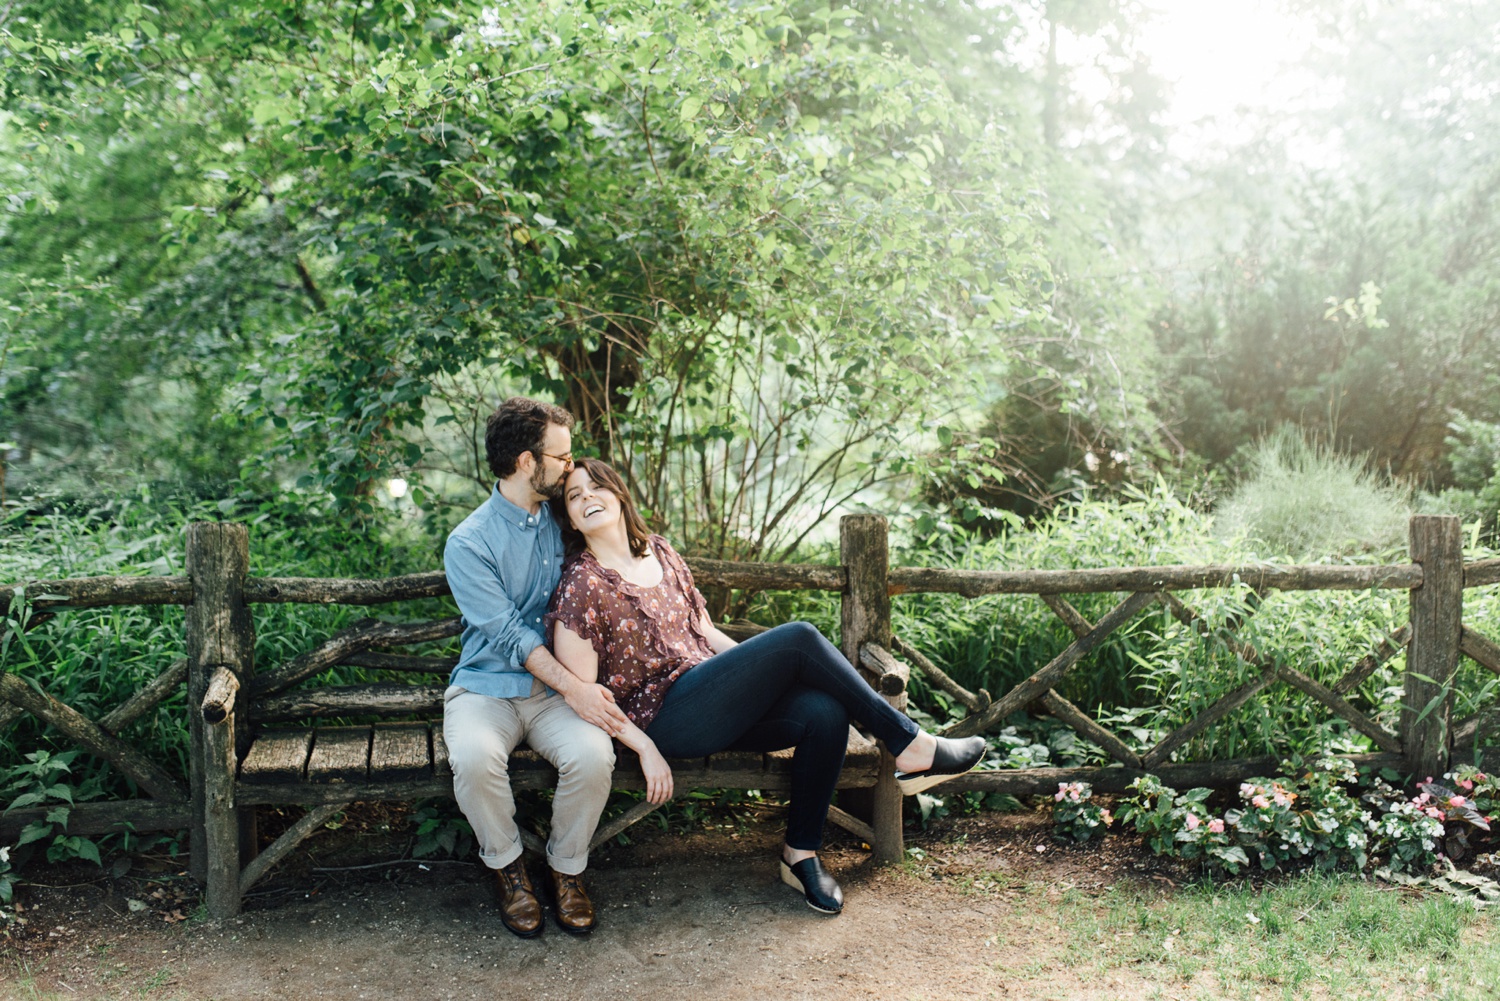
(221, 822)
(889, 843)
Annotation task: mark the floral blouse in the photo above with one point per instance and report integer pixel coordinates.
(646, 637)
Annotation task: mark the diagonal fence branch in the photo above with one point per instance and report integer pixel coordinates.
(1221, 708)
(1479, 649)
(1382, 737)
(1081, 722)
(1036, 685)
(87, 734)
(1387, 648)
(146, 699)
(977, 702)
(357, 638)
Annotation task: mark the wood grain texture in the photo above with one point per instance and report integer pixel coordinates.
(340, 755)
(99, 592)
(1482, 572)
(382, 698)
(1480, 649)
(277, 756)
(400, 752)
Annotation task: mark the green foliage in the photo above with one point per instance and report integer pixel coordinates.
(1317, 935)
(441, 829)
(1406, 831)
(1305, 501)
(43, 781)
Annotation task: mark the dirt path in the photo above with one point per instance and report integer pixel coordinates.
(680, 916)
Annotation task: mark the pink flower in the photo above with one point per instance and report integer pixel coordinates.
(1216, 826)
(1466, 785)
(1107, 817)
(1193, 822)
(1060, 795)
(1433, 812)
(1260, 802)
(1456, 801)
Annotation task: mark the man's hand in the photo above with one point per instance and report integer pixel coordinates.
(596, 705)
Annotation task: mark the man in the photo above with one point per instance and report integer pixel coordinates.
(503, 563)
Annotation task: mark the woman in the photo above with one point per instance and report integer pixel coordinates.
(628, 616)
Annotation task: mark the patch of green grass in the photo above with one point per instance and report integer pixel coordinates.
(1312, 935)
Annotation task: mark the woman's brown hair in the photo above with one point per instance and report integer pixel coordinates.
(605, 478)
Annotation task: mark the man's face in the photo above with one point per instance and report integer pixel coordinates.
(547, 478)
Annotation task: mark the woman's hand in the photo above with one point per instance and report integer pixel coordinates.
(658, 776)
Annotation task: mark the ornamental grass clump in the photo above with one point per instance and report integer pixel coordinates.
(1074, 816)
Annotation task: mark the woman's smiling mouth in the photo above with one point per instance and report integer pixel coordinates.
(592, 509)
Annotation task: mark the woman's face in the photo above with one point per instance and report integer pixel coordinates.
(590, 506)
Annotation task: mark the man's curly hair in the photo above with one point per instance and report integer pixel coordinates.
(517, 426)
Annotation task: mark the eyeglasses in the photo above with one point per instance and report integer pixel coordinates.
(566, 458)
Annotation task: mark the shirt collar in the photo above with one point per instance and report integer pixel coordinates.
(512, 514)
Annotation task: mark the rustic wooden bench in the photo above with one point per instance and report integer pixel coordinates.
(277, 738)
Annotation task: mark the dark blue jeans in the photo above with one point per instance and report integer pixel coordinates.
(787, 687)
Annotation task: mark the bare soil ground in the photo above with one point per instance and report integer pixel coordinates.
(700, 914)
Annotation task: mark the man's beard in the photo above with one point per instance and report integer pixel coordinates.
(551, 491)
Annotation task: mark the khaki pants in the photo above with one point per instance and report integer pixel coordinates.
(481, 732)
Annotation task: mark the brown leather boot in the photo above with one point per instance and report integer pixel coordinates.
(520, 911)
(571, 904)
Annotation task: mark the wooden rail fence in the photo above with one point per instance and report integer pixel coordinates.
(235, 709)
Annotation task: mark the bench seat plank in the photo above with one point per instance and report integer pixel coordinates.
(339, 754)
(277, 756)
(400, 752)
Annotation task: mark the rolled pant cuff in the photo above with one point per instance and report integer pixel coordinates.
(568, 866)
(504, 857)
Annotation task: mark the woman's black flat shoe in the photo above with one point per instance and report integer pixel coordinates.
(819, 889)
(952, 757)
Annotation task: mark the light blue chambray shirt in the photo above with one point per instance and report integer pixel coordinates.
(503, 564)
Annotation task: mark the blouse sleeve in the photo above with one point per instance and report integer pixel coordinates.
(577, 604)
(694, 597)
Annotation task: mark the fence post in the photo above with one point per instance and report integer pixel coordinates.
(864, 549)
(220, 633)
(1432, 657)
